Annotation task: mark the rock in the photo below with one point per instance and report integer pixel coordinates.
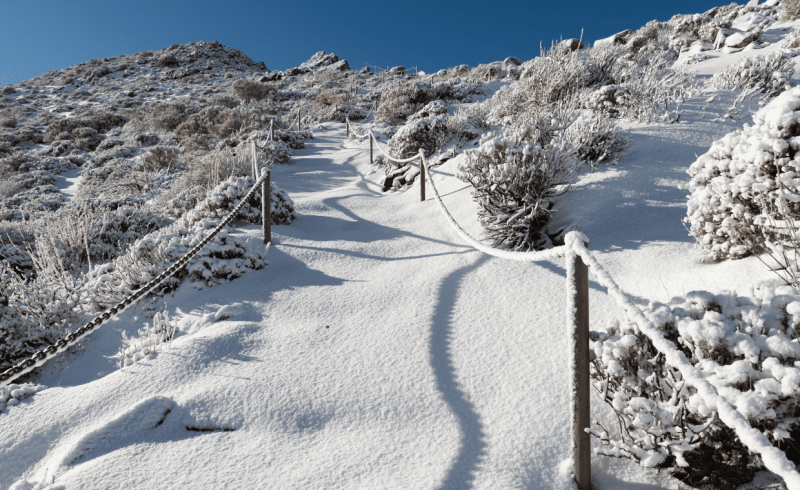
(739, 40)
(262, 66)
(340, 65)
(400, 70)
(320, 59)
(513, 60)
(364, 70)
(722, 35)
(571, 44)
(754, 3)
(441, 73)
(296, 71)
(618, 38)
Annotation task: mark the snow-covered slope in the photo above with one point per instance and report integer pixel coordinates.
(376, 350)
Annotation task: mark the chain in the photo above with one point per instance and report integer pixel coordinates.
(49, 352)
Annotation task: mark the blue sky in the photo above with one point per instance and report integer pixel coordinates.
(41, 35)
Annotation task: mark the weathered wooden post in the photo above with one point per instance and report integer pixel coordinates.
(254, 166)
(298, 119)
(266, 208)
(347, 122)
(582, 455)
(421, 175)
(370, 148)
(271, 131)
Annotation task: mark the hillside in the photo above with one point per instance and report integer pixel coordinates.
(369, 346)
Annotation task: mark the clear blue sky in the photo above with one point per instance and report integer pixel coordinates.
(41, 35)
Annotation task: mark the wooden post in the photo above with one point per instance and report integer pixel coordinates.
(298, 119)
(271, 131)
(421, 175)
(370, 148)
(266, 208)
(347, 122)
(582, 449)
(255, 161)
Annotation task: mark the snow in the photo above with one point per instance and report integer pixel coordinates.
(69, 181)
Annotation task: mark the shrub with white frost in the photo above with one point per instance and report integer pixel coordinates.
(747, 346)
(734, 184)
(596, 138)
(515, 178)
(768, 74)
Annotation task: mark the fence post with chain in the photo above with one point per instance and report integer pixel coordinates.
(266, 207)
(582, 455)
(421, 175)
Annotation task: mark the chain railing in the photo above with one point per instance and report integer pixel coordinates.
(49, 352)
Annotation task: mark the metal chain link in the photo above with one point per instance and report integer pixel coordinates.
(51, 351)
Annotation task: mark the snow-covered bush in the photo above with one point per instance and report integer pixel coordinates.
(295, 139)
(768, 74)
(791, 10)
(158, 158)
(13, 394)
(430, 130)
(596, 138)
(514, 179)
(224, 197)
(404, 98)
(792, 41)
(149, 339)
(83, 233)
(168, 60)
(746, 346)
(423, 131)
(250, 90)
(734, 184)
(639, 86)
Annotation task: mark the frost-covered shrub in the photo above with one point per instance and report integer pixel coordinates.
(276, 152)
(768, 74)
(250, 90)
(791, 10)
(514, 180)
(429, 130)
(149, 340)
(400, 101)
(792, 41)
(8, 122)
(609, 100)
(295, 139)
(746, 346)
(98, 121)
(158, 158)
(734, 183)
(423, 131)
(559, 76)
(224, 197)
(596, 138)
(168, 60)
(83, 232)
(13, 394)
(31, 203)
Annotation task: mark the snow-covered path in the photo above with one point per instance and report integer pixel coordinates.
(374, 351)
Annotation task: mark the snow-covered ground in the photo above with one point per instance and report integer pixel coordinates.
(376, 350)
(69, 181)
